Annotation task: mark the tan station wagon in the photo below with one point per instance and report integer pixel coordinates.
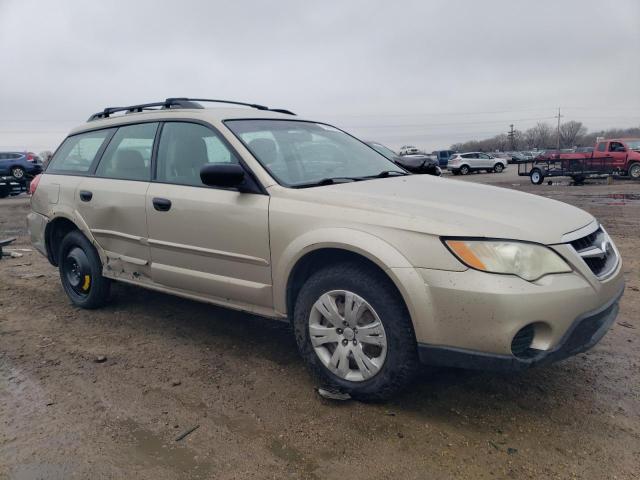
(378, 270)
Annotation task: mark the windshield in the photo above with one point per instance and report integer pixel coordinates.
(633, 144)
(299, 153)
(382, 150)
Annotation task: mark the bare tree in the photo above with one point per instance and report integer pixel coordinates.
(540, 136)
(571, 132)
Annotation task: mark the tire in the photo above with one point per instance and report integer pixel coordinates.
(18, 173)
(81, 272)
(634, 170)
(498, 168)
(393, 348)
(536, 176)
(464, 170)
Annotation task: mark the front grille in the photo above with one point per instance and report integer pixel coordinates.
(598, 252)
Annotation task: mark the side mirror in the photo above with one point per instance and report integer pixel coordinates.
(222, 175)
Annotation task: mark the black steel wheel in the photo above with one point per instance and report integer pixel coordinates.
(81, 271)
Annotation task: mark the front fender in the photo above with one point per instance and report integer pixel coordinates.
(369, 246)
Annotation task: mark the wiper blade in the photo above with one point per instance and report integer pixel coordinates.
(328, 181)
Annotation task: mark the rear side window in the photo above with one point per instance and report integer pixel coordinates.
(77, 153)
(185, 148)
(128, 155)
(602, 146)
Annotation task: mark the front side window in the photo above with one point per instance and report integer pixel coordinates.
(187, 147)
(616, 147)
(77, 153)
(299, 153)
(128, 155)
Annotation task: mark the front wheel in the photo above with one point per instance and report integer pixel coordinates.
(354, 332)
(464, 170)
(634, 170)
(498, 167)
(81, 272)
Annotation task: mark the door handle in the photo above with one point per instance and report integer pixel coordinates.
(161, 204)
(86, 195)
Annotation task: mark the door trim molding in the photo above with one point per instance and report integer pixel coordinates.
(207, 252)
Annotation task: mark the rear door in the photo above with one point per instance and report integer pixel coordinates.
(112, 201)
(206, 240)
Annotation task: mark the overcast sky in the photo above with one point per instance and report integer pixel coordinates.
(428, 73)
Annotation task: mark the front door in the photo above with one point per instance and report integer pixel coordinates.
(618, 154)
(207, 241)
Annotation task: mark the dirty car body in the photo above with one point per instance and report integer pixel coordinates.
(295, 220)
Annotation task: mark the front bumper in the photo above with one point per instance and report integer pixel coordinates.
(584, 333)
(470, 318)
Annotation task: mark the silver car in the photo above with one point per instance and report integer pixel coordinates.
(465, 163)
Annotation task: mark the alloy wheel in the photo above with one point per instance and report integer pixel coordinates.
(347, 335)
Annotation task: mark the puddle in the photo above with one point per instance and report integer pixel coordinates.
(150, 447)
(617, 199)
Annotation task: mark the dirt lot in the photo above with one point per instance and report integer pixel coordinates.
(173, 364)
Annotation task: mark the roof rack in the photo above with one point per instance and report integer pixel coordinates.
(178, 102)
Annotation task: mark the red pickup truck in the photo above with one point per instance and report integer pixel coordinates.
(613, 155)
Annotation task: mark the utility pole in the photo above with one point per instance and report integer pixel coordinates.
(559, 117)
(512, 138)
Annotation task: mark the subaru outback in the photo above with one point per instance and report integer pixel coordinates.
(377, 270)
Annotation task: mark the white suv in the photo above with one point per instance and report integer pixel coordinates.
(465, 163)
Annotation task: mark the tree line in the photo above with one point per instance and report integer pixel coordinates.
(544, 136)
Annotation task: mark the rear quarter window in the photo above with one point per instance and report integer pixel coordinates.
(78, 152)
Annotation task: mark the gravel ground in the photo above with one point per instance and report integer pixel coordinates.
(108, 393)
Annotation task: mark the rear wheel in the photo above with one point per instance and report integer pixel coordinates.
(355, 333)
(634, 170)
(81, 272)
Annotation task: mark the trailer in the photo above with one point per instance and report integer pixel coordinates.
(578, 168)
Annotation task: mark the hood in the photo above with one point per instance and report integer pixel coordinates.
(446, 207)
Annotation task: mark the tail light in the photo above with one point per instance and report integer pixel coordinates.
(30, 157)
(34, 184)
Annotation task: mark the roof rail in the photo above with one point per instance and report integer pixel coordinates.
(252, 105)
(178, 102)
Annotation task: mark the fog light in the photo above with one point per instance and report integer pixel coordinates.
(522, 341)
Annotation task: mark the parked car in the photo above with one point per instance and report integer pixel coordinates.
(10, 186)
(465, 163)
(377, 270)
(515, 157)
(418, 163)
(20, 165)
(443, 156)
(408, 150)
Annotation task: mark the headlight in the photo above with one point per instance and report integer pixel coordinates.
(529, 261)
